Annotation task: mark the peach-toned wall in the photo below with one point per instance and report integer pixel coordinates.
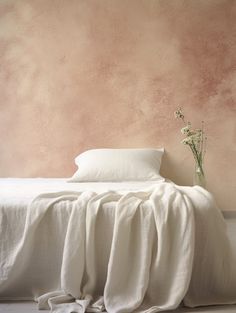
(81, 74)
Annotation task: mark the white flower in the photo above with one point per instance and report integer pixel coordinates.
(179, 114)
(187, 141)
(194, 138)
(185, 130)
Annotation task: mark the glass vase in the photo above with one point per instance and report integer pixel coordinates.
(199, 176)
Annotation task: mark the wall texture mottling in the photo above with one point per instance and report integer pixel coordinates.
(82, 74)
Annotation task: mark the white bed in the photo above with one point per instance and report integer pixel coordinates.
(176, 250)
(29, 188)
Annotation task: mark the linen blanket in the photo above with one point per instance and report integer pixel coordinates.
(142, 251)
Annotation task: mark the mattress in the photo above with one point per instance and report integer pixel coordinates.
(16, 195)
(13, 189)
(49, 215)
(18, 190)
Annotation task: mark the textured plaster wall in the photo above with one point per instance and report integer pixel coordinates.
(82, 74)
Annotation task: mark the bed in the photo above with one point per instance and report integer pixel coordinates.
(143, 246)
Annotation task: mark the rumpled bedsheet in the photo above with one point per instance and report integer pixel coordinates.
(159, 247)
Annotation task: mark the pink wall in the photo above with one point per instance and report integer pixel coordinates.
(82, 74)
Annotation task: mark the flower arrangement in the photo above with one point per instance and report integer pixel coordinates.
(196, 140)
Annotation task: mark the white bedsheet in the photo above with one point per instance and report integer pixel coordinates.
(12, 189)
(123, 248)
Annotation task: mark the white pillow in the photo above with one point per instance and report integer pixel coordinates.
(118, 165)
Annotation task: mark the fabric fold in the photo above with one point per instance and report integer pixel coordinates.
(143, 251)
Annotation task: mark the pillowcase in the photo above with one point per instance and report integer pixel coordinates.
(114, 165)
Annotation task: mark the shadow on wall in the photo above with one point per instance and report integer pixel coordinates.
(172, 169)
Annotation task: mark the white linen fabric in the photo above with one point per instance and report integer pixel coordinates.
(118, 165)
(143, 250)
(13, 190)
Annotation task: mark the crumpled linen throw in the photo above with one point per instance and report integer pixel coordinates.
(167, 244)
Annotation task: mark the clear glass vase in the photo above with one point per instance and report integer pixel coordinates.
(199, 176)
